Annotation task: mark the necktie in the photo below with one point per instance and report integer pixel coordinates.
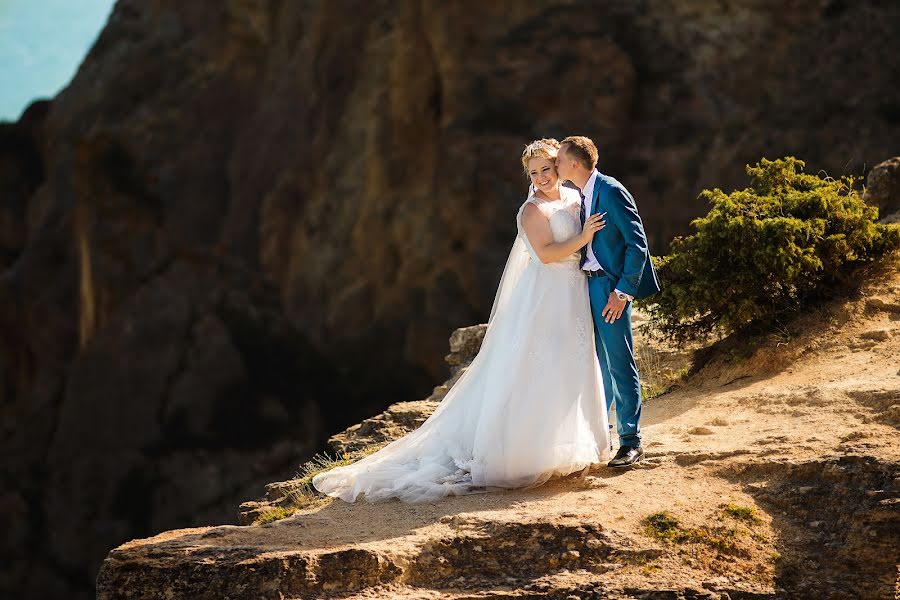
(583, 250)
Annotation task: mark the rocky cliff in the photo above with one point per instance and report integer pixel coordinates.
(769, 474)
(247, 224)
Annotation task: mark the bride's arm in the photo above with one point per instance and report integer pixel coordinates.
(537, 228)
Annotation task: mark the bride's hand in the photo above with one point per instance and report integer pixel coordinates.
(592, 225)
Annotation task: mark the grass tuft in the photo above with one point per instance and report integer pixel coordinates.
(302, 494)
(664, 526)
(276, 513)
(747, 514)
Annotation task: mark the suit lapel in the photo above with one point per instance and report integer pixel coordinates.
(596, 208)
(595, 200)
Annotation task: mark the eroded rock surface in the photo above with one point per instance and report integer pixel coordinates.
(776, 476)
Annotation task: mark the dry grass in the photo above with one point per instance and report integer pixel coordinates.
(274, 514)
(302, 495)
(658, 372)
(664, 526)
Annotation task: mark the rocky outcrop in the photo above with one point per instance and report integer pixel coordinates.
(777, 518)
(883, 189)
(771, 477)
(247, 224)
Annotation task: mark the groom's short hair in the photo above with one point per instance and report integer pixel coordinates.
(581, 149)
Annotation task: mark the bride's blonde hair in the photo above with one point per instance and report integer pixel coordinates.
(544, 148)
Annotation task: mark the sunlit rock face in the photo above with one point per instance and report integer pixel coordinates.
(883, 189)
(248, 224)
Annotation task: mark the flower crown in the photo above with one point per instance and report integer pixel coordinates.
(549, 145)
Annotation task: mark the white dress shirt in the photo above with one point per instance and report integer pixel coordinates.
(591, 264)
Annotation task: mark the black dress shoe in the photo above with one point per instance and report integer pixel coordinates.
(626, 456)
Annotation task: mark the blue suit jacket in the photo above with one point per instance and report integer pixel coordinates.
(621, 247)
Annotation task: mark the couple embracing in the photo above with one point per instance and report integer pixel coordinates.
(556, 356)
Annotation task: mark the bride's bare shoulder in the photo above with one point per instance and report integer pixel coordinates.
(532, 212)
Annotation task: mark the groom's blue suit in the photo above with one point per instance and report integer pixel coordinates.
(622, 251)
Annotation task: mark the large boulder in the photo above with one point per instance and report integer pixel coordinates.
(883, 189)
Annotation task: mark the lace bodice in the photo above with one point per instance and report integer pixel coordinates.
(563, 216)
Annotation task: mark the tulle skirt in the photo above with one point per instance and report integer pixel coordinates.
(530, 405)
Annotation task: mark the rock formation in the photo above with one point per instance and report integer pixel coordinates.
(776, 476)
(883, 189)
(247, 224)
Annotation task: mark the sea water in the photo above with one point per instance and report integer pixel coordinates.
(42, 44)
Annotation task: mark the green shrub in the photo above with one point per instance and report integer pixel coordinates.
(765, 252)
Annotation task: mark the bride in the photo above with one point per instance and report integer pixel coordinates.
(531, 404)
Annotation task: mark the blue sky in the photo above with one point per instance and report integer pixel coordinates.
(42, 43)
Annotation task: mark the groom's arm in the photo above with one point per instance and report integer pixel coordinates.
(624, 213)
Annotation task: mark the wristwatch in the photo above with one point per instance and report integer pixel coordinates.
(621, 295)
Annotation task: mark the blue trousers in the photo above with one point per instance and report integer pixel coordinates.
(615, 351)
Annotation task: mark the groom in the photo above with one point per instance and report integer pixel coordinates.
(617, 263)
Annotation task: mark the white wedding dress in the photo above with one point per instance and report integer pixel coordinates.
(530, 405)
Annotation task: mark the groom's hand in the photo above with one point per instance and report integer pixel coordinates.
(614, 308)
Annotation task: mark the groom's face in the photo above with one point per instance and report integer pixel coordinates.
(563, 164)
